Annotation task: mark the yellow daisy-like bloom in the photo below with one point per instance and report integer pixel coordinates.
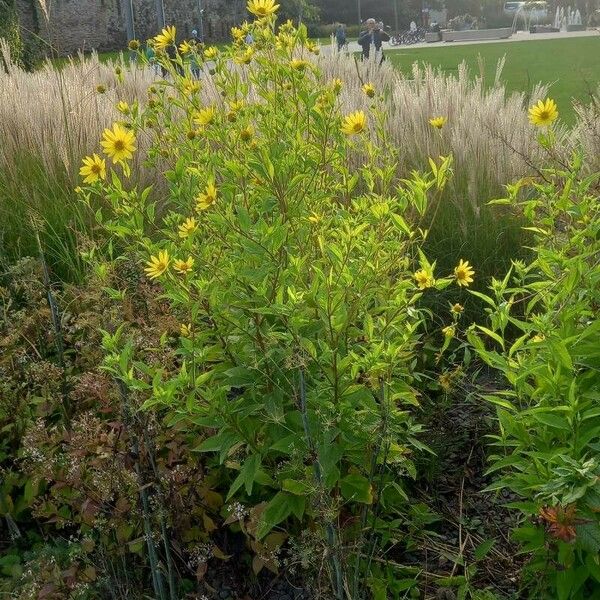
(457, 308)
(93, 168)
(464, 273)
(298, 64)
(236, 105)
(424, 279)
(123, 107)
(284, 41)
(449, 331)
(186, 47)
(185, 330)
(206, 199)
(118, 143)
(157, 265)
(544, 113)
(184, 267)
(262, 8)
(211, 52)
(134, 45)
(247, 133)
(246, 57)
(165, 38)
(313, 47)
(438, 122)
(189, 86)
(336, 85)
(354, 123)
(187, 227)
(238, 34)
(205, 116)
(369, 89)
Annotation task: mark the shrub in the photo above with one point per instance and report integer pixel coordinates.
(287, 248)
(544, 325)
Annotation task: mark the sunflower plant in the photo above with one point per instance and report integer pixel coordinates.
(292, 274)
(542, 335)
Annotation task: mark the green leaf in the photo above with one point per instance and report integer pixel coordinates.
(298, 488)
(279, 509)
(588, 536)
(246, 476)
(357, 488)
(240, 377)
(491, 334)
(482, 550)
(561, 352)
(552, 420)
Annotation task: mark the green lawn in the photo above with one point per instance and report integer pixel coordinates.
(570, 66)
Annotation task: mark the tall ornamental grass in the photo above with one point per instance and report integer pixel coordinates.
(50, 119)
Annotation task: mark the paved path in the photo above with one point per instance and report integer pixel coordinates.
(519, 36)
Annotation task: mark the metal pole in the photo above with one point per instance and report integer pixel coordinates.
(129, 22)
(160, 14)
(359, 12)
(396, 15)
(201, 22)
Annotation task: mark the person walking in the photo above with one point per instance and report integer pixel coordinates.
(373, 35)
(340, 37)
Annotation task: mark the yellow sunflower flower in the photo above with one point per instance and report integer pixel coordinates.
(211, 52)
(205, 116)
(118, 143)
(123, 107)
(544, 113)
(354, 123)
(207, 198)
(236, 105)
(457, 309)
(313, 47)
(247, 133)
(157, 265)
(183, 267)
(238, 34)
(189, 86)
(298, 64)
(262, 8)
(186, 47)
(464, 273)
(449, 331)
(165, 38)
(336, 85)
(185, 330)
(438, 122)
(424, 279)
(245, 58)
(369, 89)
(93, 168)
(188, 227)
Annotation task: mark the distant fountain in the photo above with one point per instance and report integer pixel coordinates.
(578, 18)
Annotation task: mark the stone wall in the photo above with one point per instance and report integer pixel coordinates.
(71, 25)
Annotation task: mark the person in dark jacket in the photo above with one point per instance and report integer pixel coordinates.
(373, 35)
(340, 37)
